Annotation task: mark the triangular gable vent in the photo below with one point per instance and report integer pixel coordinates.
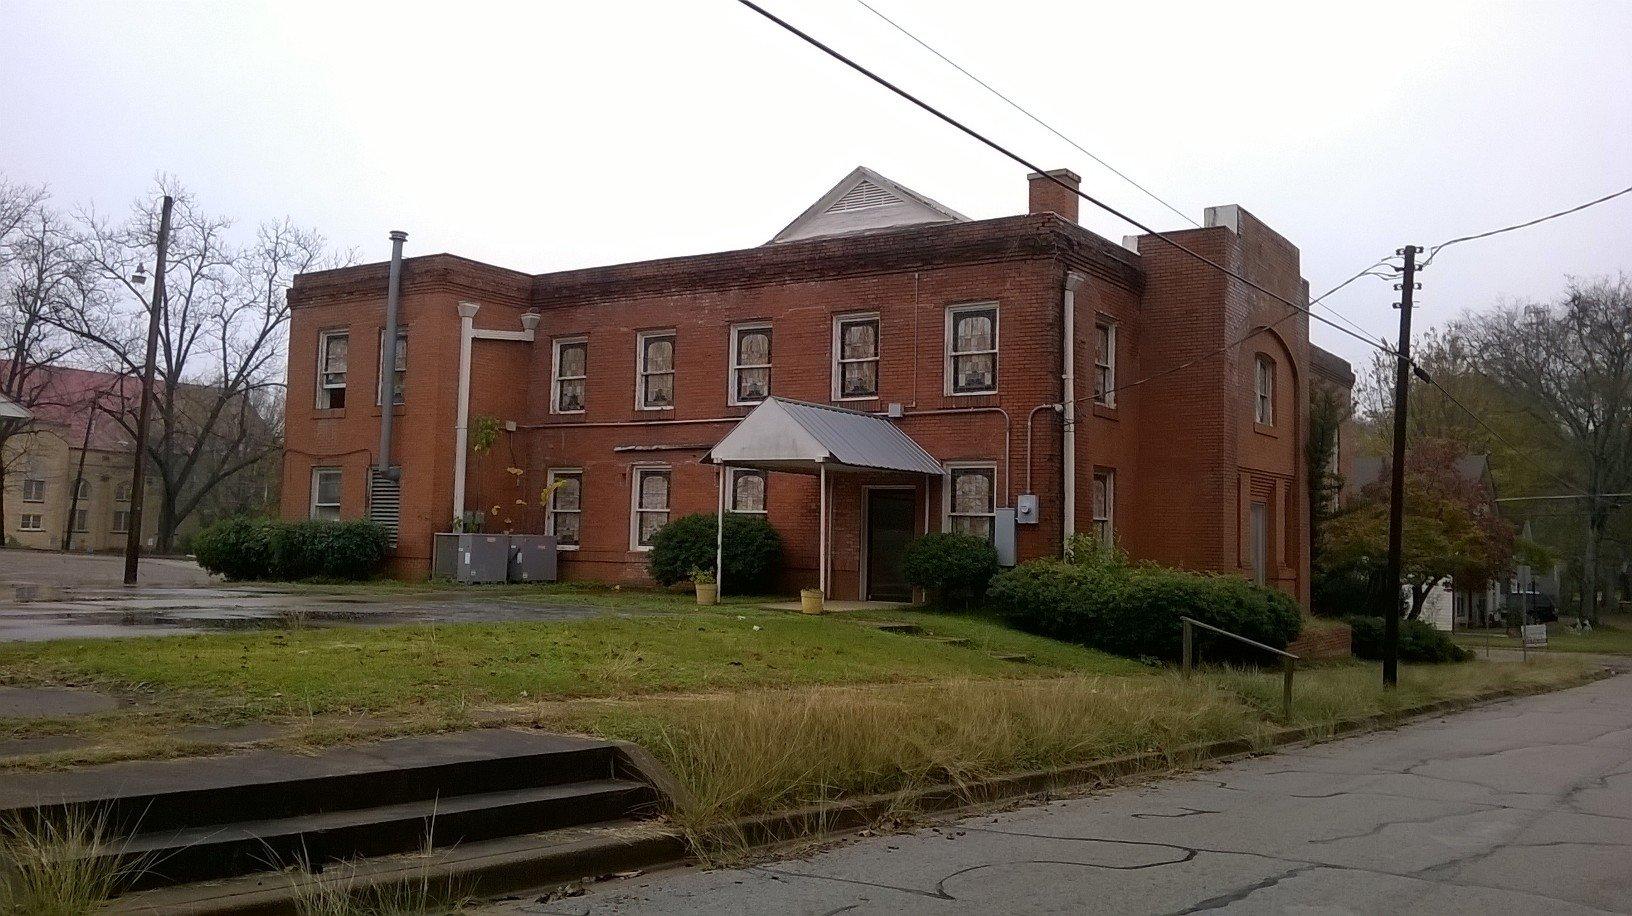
(864, 195)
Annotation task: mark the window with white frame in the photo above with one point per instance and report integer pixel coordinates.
(31, 521)
(971, 506)
(971, 349)
(855, 357)
(1105, 506)
(401, 367)
(569, 375)
(654, 382)
(566, 506)
(1105, 364)
(325, 493)
(1264, 402)
(650, 510)
(750, 363)
(121, 521)
(82, 489)
(82, 521)
(331, 369)
(747, 490)
(121, 493)
(33, 490)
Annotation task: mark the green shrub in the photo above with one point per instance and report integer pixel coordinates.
(237, 548)
(1135, 610)
(1348, 588)
(1419, 641)
(261, 548)
(750, 551)
(950, 566)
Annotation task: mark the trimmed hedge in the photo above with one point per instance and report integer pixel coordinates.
(1420, 641)
(269, 549)
(950, 565)
(1135, 610)
(751, 550)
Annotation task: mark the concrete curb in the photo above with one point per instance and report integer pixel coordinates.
(524, 866)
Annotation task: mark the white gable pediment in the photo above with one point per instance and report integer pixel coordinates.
(864, 201)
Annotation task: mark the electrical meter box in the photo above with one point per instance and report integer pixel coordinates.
(1025, 509)
(1003, 536)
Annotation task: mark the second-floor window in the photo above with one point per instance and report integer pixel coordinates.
(1105, 364)
(750, 363)
(33, 490)
(122, 493)
(1264, 394)
(654, 381)
(331, 369)
(401, 369)
(571, 375)
(855, 361)
(971, 349)
(82, 489)
(121, 521)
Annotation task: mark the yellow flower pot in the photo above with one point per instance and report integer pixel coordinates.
(708, 593)
(810, 601)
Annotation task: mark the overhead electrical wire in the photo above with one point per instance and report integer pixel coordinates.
(1060, 134)
(1434, 251)
(1023, 110)
(1033, 167)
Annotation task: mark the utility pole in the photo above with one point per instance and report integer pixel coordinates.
(133, 538)
(1396, 482)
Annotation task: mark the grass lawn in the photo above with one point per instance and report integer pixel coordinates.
(1613, 636)
(325, 684)
(752, 709)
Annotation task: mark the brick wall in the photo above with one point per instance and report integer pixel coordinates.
(1326, 642)
(1183, 447)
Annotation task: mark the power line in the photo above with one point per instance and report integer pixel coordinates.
(1022, 109)
(1234, 343)
(1435, 250)
(1033, 167)
(1060, 134)
(1520, 499)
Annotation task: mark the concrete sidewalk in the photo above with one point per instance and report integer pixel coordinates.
(1519, 807)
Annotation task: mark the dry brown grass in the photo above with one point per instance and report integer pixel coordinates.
(61, 865)
(745, 754)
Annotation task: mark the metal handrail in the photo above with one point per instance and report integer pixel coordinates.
(1288, 660)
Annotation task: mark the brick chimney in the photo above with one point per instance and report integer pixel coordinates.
(1048, 197)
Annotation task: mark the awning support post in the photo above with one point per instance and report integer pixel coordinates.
(822, 530)
(719, 538)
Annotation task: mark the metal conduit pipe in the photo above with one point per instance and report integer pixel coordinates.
(388, 356)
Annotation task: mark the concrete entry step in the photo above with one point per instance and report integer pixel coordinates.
(1016, 657)
(196, 819)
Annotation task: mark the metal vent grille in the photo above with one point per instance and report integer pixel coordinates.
(864, 195)
(385, 503)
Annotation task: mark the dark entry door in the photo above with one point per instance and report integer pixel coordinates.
(889, 528)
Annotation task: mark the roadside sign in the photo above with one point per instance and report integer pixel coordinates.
(1535, 636)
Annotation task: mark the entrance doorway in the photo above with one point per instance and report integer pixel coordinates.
(889, 528)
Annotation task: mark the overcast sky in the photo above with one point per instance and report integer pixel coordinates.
(545, 136)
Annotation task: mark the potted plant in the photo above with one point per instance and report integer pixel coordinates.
(708, 590)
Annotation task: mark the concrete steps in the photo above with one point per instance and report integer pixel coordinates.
(215, 818)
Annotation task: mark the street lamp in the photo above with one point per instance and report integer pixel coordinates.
(140, 276)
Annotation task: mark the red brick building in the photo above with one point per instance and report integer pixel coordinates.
(616, 381)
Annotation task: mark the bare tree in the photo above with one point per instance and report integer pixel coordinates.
(40, 275)
(1570, 365)
(222, 334)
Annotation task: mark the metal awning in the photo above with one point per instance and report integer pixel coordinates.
(11, 410)
(799, 437)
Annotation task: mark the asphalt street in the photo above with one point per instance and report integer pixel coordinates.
(1520, 807)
